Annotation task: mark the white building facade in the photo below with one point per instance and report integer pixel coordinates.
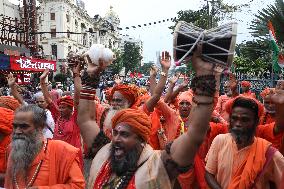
(56, 17)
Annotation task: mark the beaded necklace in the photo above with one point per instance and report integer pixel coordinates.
(60, 123)
(183, 127)
(35, 173)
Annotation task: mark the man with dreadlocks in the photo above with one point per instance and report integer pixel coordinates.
(128, 161)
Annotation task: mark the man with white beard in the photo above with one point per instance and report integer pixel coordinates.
(126, 96)
(34, 161)
(39, 100)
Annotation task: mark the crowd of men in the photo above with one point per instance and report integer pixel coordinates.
(190, 137)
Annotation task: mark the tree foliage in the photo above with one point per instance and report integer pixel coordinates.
(131, 57)
(253, 57)
(273, 13)
(246, 65)
(209, 15)
(117, 65)
(145, 69)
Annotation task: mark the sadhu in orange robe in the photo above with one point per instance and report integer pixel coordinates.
(60, 168)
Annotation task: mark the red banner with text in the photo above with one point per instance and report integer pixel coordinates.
(31, 64)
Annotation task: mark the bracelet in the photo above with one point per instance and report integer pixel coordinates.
(202, 103)
(87, 97)
(204, 85)
(88, 91)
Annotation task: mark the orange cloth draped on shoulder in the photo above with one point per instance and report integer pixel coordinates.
(196, 178)
(247, 172)
(6, 127)
(156, 125)
(59, 169)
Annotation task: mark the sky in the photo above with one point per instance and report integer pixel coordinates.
(158, 37)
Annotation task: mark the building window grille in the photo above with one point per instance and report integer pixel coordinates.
(52, 16)
(53, 33)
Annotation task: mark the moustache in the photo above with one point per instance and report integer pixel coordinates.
(115, 146)
(20, 137)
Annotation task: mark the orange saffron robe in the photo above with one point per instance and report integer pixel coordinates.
(238, 169)
(60, 168)
(195, 178)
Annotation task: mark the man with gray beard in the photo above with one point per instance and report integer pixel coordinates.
(35, 161)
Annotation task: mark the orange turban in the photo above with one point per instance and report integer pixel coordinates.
(10, 102)
(245, 84)
(265, 92)
(67, 100)
(136, 119)
(230, 103)
(108, 93)
(143, 91)
(185, 96)
(6, 121)
(130, 92)
(141, 99)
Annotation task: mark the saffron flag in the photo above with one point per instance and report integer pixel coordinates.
(278, 59)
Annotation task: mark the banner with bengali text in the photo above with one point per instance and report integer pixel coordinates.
(31, 64)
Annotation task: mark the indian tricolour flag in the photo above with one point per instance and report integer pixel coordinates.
(278, 59)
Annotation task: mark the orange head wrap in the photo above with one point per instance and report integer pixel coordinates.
(230, 103)
(143, 91)
(108, 93)
(265, 92)
(141, 99)
(136, 119)
(6, 121)
(9, 102)
(245, 84)
(185, 96)
(67, 100)
(130, 92)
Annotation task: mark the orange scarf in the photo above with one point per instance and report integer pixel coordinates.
(156, 125)
(247, 172)
(104, 176)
